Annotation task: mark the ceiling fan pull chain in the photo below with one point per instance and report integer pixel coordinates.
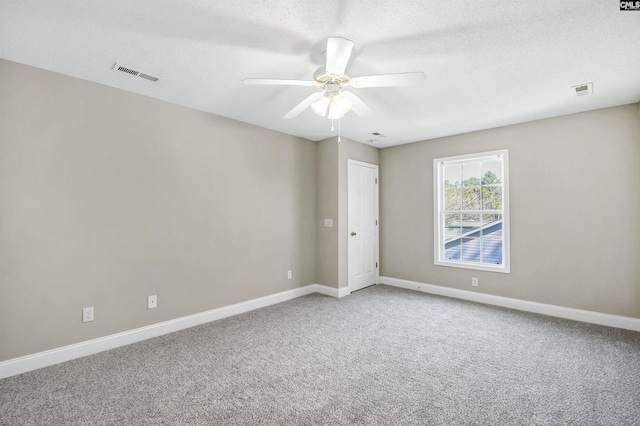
(332, 126)
(339, 130)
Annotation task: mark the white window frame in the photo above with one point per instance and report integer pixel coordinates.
(438, 205)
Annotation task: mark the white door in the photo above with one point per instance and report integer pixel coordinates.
(363, 224)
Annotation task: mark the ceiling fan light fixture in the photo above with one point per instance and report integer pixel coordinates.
(338, 107)
(320, 106)
(332, 101)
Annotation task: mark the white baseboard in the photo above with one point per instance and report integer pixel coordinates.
(331, 291)
(343, 291)
(55, 356)
(627, 323)
(23, 364)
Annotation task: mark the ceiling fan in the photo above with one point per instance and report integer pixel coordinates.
(333, 101)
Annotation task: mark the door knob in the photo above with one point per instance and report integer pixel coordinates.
(353, 234)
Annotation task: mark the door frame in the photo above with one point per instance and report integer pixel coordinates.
(376, 167)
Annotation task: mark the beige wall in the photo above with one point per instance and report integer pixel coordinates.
(327, 205)
(575, 204)
(107, 197)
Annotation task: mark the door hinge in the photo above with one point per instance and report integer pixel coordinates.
(376, 264)
(376, 181)
(376, 223)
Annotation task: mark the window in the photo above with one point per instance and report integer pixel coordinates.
(471, 203)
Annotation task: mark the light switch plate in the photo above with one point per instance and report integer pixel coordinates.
(328, 223)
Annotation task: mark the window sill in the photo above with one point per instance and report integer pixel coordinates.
(503, 269)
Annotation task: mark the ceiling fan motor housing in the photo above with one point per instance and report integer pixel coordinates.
(332, 88)
(323, 77)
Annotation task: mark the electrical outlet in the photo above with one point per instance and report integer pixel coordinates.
(474, 281)
(152, 302)
(289, 274)
(87, 314)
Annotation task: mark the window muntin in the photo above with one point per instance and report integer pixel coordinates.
(471, 211)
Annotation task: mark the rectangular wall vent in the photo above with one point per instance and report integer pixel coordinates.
(131, 71)
(582, 89)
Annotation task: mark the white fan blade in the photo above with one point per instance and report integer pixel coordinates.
(303, 105)
(388, 80)
(273, 82)
(357, 105)
(338, 53)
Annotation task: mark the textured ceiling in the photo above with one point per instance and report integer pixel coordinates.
(487, 63)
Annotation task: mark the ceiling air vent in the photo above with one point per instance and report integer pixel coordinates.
(582, 89)
(131, 71)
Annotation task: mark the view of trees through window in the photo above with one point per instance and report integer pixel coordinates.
(472, 195)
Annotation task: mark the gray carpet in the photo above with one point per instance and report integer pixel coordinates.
(379, 356)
